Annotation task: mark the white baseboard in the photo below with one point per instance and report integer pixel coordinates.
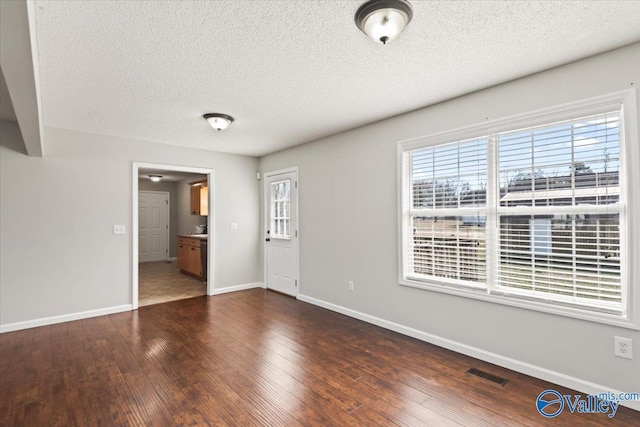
(506, 362)
(171, 259)
(237, 288)
(9, 327)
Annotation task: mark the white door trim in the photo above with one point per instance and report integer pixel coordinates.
(168, 213)
(211, 219)
(265, 220)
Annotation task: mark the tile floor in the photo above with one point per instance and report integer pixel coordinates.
(162, 282)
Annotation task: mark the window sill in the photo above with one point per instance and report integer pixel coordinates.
(482, 295)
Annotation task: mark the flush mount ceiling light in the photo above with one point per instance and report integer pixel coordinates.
(218, 121)
(384, 20)
(155, 178)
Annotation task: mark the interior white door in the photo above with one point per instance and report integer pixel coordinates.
(153, 226)
(282, 233)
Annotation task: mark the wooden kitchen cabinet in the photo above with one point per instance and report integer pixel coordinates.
(194, 265)
(183, 254)
(190, 257)
(199, 204)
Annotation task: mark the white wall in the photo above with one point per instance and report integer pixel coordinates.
(145, 184)
(348, 231)
(58, 253)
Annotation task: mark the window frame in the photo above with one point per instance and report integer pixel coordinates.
(629, 234)
(273, 217)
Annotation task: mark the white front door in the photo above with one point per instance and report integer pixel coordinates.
(282, 232)
(153, 226)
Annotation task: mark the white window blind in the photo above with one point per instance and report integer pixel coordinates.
(448, 216)
(534, 214)
(560, 211)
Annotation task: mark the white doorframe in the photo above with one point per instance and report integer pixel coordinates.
(168, 216)
(211, 220)
(265, 220)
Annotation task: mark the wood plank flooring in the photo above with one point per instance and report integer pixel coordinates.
(254, 358)
(162, 282)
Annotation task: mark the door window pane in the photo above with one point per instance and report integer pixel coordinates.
(280, 216)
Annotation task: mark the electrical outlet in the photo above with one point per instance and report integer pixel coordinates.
(351, 285)
(119, 229)
(622, 347)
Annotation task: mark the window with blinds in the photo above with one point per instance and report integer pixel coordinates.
(448, 215)
(529, 215)
(559, 211)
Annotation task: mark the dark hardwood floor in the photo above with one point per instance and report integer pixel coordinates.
(254, 358)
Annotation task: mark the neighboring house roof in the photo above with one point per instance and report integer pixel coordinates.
(564, 193)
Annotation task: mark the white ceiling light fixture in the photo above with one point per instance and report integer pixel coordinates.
(218, 121)
(155, 178)
(384, 20)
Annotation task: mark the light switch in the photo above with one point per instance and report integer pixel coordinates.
(234, 225)
(119, 229)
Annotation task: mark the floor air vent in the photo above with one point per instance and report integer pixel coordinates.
(487, 376)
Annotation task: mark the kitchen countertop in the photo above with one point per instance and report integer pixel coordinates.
(195, 236)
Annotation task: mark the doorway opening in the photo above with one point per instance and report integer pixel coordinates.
(172, 241)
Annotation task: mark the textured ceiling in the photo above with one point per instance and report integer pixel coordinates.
(292, 71)
(167, 175)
